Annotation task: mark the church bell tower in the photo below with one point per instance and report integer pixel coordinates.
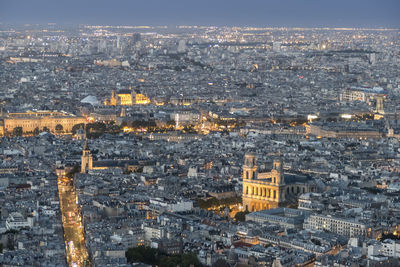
(250, 166)
(277, 172)
(86, 159)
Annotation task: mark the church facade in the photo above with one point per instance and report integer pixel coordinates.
(86, 159)
(126, 98)
(87, 162)
(267, 190)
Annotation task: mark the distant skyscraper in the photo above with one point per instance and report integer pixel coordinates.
(372, 59)
(136, 37)
(118, 42)
(182, 46)
(276, 46)
(133, 42)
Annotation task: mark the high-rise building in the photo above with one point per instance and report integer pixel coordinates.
(136, 37)
(276, 46)
(181, 46)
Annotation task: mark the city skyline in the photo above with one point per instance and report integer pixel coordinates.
(199, 134)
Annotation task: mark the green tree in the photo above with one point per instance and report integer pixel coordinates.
(169, 261)
(184, 260)
(189, 259)
(10, 244)
(95, 130)
(76, 127)
(213, 202)
(156, 257)
(36, 131)
(142, 254)
(389, 236)
(17, 131)
(59, 127)
(316, 241)
(241, 216)
(149, 125)
(75, 169)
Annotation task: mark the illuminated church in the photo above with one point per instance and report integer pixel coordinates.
(126, 98)
(267, 190)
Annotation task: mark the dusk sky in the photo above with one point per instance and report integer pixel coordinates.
(303, 13)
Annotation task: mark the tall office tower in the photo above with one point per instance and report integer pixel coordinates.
(132, 42)
(182, 46)
(136, 37)
(102, 46)
(118, 42)
(372, 58)
(276, 46)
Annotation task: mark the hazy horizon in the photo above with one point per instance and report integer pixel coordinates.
(273, 13)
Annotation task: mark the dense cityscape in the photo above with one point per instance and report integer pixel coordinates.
(199, 146)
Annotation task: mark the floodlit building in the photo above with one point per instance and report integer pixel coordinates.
(30, 121)
(126, 98)
(271, 189)
(141, 99)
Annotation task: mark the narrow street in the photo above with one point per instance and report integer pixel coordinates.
(73, 229)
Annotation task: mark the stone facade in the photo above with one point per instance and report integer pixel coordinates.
(31, 120)
(270, 189)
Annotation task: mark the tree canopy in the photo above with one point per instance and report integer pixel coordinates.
(241, 216)
(76, 127)
(156, 257)
(59, 127)
(213, 202)
(17, 131)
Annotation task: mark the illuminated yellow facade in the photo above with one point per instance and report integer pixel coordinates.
(126, 98)
(141, 99)
(269, 190)
(113, 100)
(54, 121)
